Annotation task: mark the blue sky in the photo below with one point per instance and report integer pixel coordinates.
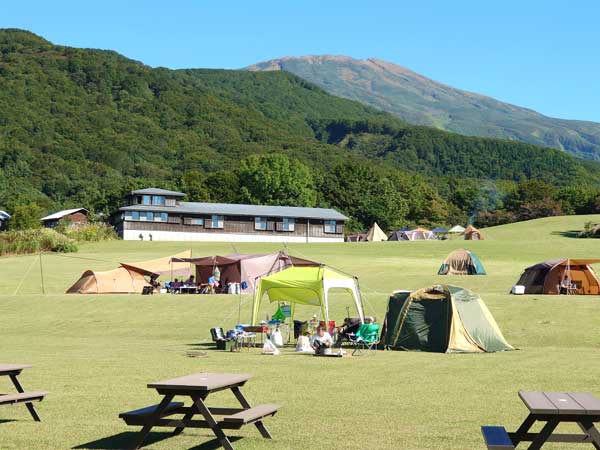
(540, 54)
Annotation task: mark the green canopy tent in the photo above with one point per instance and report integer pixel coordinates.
(442, 318)
(306, 286)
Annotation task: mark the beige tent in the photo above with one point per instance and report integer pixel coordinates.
(169, 265)
(375, 234)
(472, 234)
(117, 281)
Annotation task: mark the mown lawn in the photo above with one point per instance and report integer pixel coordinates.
(96, 354)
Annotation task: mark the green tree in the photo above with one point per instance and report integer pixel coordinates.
(366, 195)
(275, 179)
(25, 217)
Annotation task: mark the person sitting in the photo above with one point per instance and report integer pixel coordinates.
(155, 283)
(347, 330)
(176, 285)
(190, 282)
(565, 285)
(321, 341)
(303, 344)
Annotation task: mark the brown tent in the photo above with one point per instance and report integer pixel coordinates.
(237, 268)
(168, 265)
(117, 281)
(551, 277)
(472, 234)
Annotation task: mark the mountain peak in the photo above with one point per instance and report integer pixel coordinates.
(422, 101)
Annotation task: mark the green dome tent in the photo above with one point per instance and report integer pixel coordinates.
(442, 318)
(462, 262)
(306, 286)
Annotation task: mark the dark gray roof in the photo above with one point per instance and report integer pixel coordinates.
(157, 191)
(229, 209)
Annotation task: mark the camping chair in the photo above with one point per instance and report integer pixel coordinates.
(218, 337)
(366, 338)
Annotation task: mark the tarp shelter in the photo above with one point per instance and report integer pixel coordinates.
(173, 265)
(418, 234)
(472, 234)
(457, 229)
(375, 234)
(442, 318)
(359, 237)
(237, 268)
(306, 286)
(547, 277)
(117, 281)
(461, 262)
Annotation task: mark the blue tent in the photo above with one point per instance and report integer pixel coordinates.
(439, 230)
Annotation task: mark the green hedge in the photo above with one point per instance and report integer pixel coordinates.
(33, 241)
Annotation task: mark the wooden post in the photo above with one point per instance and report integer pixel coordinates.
(42, 275)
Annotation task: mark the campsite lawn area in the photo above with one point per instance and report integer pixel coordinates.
(95, 354)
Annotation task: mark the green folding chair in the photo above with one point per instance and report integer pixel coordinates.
(366, 338)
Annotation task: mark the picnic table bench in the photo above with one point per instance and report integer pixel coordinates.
(551, 408)
(13, 371)
(198, 387)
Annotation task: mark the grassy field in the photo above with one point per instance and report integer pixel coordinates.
(96, 354)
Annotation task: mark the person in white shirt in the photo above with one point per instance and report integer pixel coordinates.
(321, 341)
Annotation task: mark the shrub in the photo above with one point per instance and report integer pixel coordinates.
(90, 232)
(21, 242)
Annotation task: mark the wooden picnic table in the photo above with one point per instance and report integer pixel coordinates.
(554, 408)
(13, 371)
(198, 387)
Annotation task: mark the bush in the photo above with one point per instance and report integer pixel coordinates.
(34, 241)
(89, 232)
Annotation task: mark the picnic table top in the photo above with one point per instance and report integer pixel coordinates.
(10, 368)
(561, 403)
(201, 382)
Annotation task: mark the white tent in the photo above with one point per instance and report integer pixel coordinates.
(456, 229)
(375, 234)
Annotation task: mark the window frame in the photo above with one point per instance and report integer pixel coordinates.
(330, 223)
(147, 200)
(260, 223)
(288, 224)
(217, 221)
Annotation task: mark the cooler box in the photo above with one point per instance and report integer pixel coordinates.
(518, 290)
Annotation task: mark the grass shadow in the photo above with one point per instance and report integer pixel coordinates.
(203, 345)
(6, 421)
(124, 440)
(567, 234)
(214, 444)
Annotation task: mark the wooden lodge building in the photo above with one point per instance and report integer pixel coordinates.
(161, 215)
(75, 216)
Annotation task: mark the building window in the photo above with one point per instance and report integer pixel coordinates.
(158, 200)
(217, 221)
(164, 217)
(196, 221)
(287, 224)
(260, 223)
(329, 226)
(135, 215)
(149, 215)
(146, 200)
